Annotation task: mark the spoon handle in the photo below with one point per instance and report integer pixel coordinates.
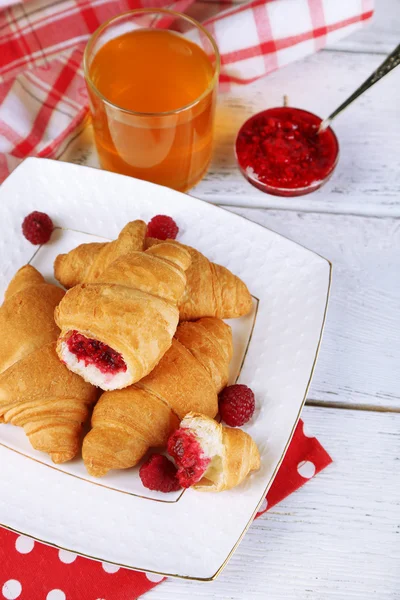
(392, 61)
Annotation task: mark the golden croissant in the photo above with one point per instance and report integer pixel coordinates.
(126, 423)
(86, 262)
(211, 457)
(211, 290)
(37, 392)
(114, 331)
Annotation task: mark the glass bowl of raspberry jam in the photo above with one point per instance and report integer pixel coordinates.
(280, 151)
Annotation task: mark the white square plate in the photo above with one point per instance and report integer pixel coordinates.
(114, 519)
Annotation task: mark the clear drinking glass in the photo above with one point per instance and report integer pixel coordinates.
(171, 147)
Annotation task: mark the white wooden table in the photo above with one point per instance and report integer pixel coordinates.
(339, 536)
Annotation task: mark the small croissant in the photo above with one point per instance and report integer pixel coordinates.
(37, 392)
(211, 290)
(126, 423)
(86, 262)
(114, 331)
(211, 457)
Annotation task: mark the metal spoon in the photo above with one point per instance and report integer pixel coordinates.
(392, 61)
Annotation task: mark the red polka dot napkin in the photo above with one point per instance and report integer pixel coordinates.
(30, 570)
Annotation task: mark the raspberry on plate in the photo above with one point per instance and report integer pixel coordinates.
(37, 227)
(158, 473)
(162, 227)
(236, 405)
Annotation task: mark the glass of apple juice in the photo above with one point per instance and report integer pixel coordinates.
(152, 79)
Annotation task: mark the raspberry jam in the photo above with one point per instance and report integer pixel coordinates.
(280, 152)
(93, 352)
(189, 457)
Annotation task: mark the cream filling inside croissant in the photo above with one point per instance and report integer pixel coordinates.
(207, 437)
(211, 443)
(92, 374)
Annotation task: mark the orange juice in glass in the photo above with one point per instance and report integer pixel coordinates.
(152, 81)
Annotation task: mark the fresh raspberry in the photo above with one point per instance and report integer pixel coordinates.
(37, 227)
(158, 473)
(236, 405)
(162, 228)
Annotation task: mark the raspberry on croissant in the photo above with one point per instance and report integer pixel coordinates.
(126, 423)
(114, 331)
(211, 457)
(37, 392)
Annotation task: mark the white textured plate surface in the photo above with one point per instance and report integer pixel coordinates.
(194, 536)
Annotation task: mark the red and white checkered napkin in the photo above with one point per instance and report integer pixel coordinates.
(31, 571)
(42, 91)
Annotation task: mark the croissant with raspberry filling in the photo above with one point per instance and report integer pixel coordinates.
(115, 331)
(212, 457)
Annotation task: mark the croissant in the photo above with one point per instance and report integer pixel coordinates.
(114, 331)
(37, 392)
(26, 317)
(211, 290)
(126, 423)
(86, 262)
(211, 457)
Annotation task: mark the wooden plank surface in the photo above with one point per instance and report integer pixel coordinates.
(338, 537)
(358, 361)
